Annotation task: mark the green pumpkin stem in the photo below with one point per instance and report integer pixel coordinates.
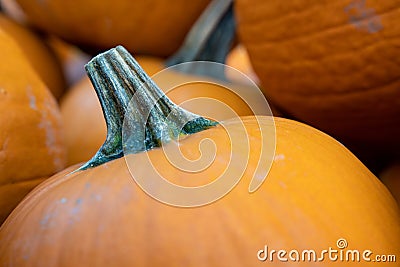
(210, 39)
(127, 93)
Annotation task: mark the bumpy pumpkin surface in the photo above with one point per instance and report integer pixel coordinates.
(31, 142)
(155, 27)
(333, 64)
(38, 54)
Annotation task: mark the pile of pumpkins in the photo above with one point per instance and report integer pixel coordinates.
(330, 71)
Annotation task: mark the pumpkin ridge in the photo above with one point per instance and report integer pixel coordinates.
(305, 37)
(371, 45)
(17, 182)
(331, 94)
(280, 16)
(318, 32)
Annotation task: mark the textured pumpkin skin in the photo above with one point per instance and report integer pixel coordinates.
(39, 55)
(390, 176)
(31, 141)
(315, 193)
(102, 24)
(319, 64)
(85, 134)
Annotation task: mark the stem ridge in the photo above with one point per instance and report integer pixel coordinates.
(127, 94)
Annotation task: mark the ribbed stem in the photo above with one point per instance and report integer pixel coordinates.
(127, 93)
(210, 39)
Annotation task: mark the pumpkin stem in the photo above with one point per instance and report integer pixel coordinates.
(210, 39)
(124, 89)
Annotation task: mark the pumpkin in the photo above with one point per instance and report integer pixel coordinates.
(210, 38)
(31, 141)
(71, 58)
(390, 176)
(238, 58)
(155, 27)
(316, 196)
(85, 134)
(38, 54)
(332, 64)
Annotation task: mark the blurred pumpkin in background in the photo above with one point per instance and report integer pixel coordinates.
(39, 55)
(390, 176)
(332, 64)
(238, 58)
(71, 58)
(31, 140)
(155, 27)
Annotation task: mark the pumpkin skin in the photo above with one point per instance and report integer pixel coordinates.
(38, 54)
(31, 141)
(327, 65)
(316, 192)
(238, 58)
(71, 58)
(80, 146)
(390, 176)
(85, 134)
(100, 25)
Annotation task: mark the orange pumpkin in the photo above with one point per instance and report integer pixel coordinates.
(390, 176)
(71, 58)
(317, 193)
(85, 134)
(209, 39)
(38, 54)
(155, 27)
(238, 58)
(333, 64)
(31, 142)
